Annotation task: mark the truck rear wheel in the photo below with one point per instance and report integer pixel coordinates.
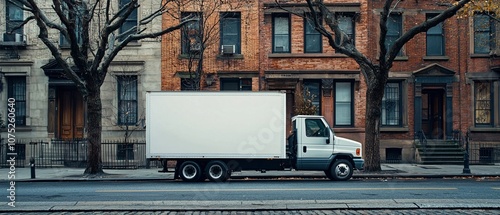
(217, 171)
(341, 170)
(190, 171)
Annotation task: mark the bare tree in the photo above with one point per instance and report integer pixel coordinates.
(91, 55)
(375, 73)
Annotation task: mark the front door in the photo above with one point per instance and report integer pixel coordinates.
(433, 112)
(314, 150)
(71, 113)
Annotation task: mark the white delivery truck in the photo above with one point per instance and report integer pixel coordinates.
(212, 134)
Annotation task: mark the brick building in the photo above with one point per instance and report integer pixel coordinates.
(443, 81)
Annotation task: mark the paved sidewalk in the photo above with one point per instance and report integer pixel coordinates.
(388, 171)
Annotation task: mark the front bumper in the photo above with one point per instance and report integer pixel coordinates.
(359, 163)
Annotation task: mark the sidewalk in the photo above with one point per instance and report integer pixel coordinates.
(388, 171)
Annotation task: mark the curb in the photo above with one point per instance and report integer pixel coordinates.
(291, 177)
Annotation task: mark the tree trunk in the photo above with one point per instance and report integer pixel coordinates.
(94, 126)
(374, 95)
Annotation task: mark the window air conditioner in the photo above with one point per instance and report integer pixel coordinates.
(195, 47)
(228, 49)
(279, 49)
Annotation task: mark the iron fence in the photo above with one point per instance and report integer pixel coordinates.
(484, 153)
(73, 153)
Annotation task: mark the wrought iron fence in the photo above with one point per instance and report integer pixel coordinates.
(484, 153)
(73, 153)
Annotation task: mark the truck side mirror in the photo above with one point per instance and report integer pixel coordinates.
(326, 133)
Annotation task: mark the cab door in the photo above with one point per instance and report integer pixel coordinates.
(314, 147)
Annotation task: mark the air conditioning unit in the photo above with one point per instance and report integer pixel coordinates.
(196, 47)
(279, 48)
(228, 49)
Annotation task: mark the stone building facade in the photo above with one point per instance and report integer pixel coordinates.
(49, 107)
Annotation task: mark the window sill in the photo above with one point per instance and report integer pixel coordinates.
(436, 58)
(228, 57)
(480, 55)
(401, 58)
(485, 129)
(348, 130)
(394, 129)
(19, 128)
(306, 55)
(189, 56)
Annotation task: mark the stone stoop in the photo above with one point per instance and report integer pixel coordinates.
(440, 152)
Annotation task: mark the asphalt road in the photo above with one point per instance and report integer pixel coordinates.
(257, 190)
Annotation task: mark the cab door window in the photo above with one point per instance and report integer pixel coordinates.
(314, 128)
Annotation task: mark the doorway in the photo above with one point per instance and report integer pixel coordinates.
(433, 112)
(70, 113)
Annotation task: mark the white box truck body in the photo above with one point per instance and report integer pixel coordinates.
(211, 134)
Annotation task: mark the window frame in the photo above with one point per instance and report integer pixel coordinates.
(487, 31)
(399, 105)
(187, 38)
(11, 23)
(309, 30)
(79, 28)
(491, 101)
(129, 20)
(352, 35)
(242, 86)
(120, 79)
(440, 35)
(231, 16)
(394, 36)
(20, 98)
(274, 17)
(317, 101)
(351, 103)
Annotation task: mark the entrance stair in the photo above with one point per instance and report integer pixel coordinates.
(439, 152)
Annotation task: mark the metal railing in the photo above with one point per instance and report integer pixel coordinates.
(73, 153)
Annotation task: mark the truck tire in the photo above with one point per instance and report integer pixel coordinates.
(217, 171)
(190, 171)
(341, 170)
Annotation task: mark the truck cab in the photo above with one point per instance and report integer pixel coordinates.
(314, 146)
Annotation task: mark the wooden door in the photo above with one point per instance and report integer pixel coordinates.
(71, 113)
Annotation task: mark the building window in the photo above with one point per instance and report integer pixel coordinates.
(236, 84)
(346, 24)
(483, 34)
(435, 39)
(312, 38)
(125, 151)
(127, 99)
(391, 105)
(230, 24)
(314, 89)
(14, 18)
(63, 41)
(16, 89)
(394, 30)
(281, 33)
(130, 22)
(344, 104)
(191, 34)
(483, 103)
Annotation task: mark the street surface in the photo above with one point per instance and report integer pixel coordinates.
(374, 196)
(258, 190)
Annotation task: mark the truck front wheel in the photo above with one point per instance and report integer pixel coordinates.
(341, 170)
(217, 171)
(190, 171)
